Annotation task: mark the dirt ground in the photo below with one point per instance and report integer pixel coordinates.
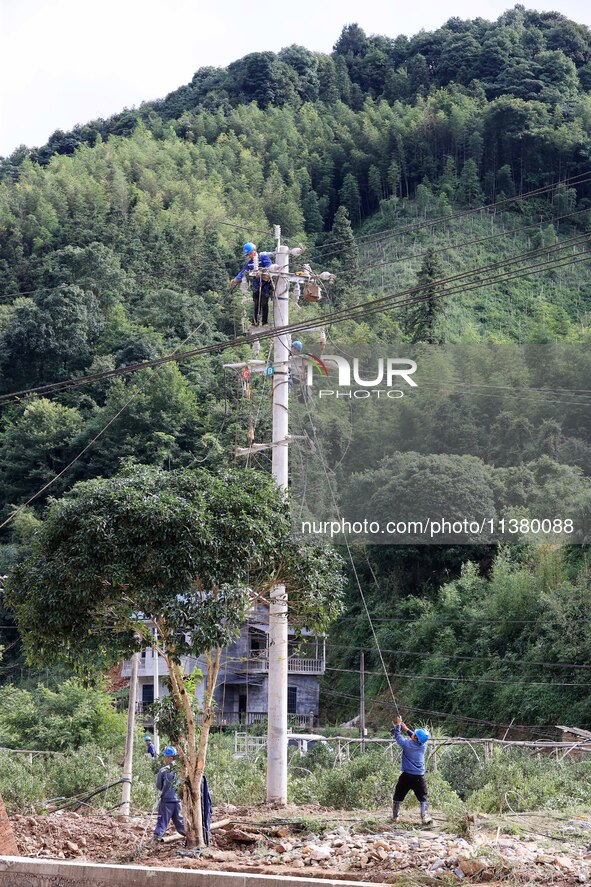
(321, 843)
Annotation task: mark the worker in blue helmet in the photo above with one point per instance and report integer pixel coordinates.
(150, 747)
(167, 783)
(262, 285)
(412, 777)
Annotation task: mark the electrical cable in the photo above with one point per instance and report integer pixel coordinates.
(543, 730)
(347, 314)
(436, 653)
(85, 449)
(419, 676)
(459, 244)
(351, 313)
(360, 589)
(579, 179)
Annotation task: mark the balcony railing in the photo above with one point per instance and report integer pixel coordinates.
(145, 667)
(250, 718)
(294, 666)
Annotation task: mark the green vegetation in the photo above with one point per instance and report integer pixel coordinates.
(504, 641)
(117, 241)
(59, 720)
(511, 781)
(187, 553)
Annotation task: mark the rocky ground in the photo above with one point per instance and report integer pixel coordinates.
(326, 843)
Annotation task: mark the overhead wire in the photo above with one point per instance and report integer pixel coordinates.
(507, 232)
(461, 282)
(542, 730)
(85, 449)
(579, 179)
(353, 567)
(523, 663)
(220, 346)
(419, 676)
(464, 679)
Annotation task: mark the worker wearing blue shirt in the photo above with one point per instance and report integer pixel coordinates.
(262, 287)
(167, 783)
(150, 747)
(412, 777)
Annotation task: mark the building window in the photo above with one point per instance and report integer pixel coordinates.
(292, 700)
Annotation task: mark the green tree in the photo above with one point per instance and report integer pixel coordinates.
(469, 191)
(57, 720)
(420, 321)
(35, 446)
(187, 552)
(350, 197)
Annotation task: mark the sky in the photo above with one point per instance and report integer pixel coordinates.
(64, 62)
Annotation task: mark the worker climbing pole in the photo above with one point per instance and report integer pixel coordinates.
(268, 280)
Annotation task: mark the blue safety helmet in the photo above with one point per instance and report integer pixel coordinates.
(147, 738)
(248, 248)
(422, 735)
(170, 751)
(297, 345)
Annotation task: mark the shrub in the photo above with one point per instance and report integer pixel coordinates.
(461, 768)
(22, 785)
(365, 781)
(56, 720)
(514, 780)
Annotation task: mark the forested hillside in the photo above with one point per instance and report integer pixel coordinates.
(117, 241)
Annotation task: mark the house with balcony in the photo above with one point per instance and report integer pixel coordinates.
(242, 692)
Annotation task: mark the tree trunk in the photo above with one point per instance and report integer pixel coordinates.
(195, 756)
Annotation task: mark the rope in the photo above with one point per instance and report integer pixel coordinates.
(360, 589)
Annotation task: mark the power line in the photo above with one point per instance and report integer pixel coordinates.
(462, 243)
(446, 620)
(579, 179)
(360, 589)
(461, 679)
(351, 313)
(85, 449)
(422, 654)
(540, 729)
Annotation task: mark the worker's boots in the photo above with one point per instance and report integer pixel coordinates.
(425, 818)
(395, 810)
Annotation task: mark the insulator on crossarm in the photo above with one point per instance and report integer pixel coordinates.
(244, 286)
(297, 292)
(322, 340)
(256, 348)
(326, 275)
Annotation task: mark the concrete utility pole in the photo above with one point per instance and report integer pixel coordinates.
(278, 624)
(278, 627)
(128, 762)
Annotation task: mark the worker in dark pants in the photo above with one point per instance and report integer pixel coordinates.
(262, 286)
(150, 747)
(170, 806)
(412, 777)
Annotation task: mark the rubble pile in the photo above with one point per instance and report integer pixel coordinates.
(242, 841)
